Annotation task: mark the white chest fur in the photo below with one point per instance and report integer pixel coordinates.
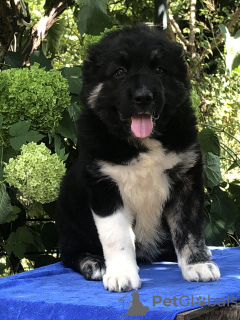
(144, 187)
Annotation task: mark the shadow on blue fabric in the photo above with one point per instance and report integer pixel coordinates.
(55, 292)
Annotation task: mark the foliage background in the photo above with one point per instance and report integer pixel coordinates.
(51, 37)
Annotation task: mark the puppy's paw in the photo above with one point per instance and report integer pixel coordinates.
(204, 272)
(122, 281)
(93, 268)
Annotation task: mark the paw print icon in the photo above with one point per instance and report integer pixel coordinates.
(201, 301)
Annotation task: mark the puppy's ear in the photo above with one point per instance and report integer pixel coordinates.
(180, 55)
(94, 54)
(180, 50)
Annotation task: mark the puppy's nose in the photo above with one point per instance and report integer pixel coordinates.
(143, 96)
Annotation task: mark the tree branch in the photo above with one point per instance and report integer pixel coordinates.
(233, 18)
(192, 22)
(10, 16)
(178, 31)
(40, 30)
(219, 38)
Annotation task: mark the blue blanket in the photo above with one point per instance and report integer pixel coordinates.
(55, 292)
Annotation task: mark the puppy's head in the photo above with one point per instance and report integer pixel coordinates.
(134, 78)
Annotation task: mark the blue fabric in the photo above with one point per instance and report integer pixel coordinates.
(55, 292)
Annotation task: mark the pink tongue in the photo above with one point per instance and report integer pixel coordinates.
(142, 125)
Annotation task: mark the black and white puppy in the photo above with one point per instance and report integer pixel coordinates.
(136, 190)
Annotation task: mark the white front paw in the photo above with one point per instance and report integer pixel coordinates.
(122, 280)
(204, 272)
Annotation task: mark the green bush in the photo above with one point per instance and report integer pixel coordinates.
(35, 173)
(220, 102)
(32, 94)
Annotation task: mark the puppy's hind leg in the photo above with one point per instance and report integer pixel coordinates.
(92, 267)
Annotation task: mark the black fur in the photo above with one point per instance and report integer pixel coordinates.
(146, 59)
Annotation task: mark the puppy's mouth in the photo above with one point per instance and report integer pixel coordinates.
(142, 125)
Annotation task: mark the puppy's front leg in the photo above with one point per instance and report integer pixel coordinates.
(117, 239)
(192, 253)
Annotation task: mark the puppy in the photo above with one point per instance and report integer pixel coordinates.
(136, 191)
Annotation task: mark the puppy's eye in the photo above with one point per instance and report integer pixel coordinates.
(160, 70)
(121, 72)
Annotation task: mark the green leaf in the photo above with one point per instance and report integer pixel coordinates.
(100, 4)
(5, 204)
(59, 147)
(92, 20)
(14, 215)
(14, 59)
(35, 246)
(25, 234)
(213, 175)
(2, 85)
(57, 141)
(62, 154)
(1, 173)
(19, 128)
(71, 72)
(18, 241)
(54, 36)
(234, 165)
(67, 128)
(14, 246)
(75, 98)
(214, 229)
(224, 31)
(36, 210)
(209, 141)
(236, 61)
(30, 136)
(73, 76)
(224, 205)
(8, 153)
(1, 122)
(21, 134)
(222, 217)
(74, 111)
(40, 58)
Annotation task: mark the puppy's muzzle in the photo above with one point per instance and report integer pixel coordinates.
(143, 97)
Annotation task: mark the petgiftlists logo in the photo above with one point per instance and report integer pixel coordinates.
(132, 306)
(191, 301)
